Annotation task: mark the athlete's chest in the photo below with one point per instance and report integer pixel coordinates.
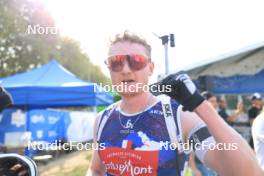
(138, 145)
(140, 150)
(120, 127)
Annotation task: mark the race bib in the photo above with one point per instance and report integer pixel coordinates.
(128, 162)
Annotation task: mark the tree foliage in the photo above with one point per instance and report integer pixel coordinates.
(21, 50)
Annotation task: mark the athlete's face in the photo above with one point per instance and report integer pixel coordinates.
(127, 74)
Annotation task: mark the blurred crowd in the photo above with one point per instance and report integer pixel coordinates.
(241, 119)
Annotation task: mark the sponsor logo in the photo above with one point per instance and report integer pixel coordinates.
(168, 111)
(157, 112)
(127, 167)
(38, 119)
(129, 124)
(52, 119)
(121, 161)
(127, 131)
(18, 118)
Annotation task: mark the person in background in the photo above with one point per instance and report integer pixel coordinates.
(254, 110)
(256, 106)
(9, 167)
(258, 138)
(198, 168)
(5, 99)
(243, 116)
(211, 98)
(222, 106)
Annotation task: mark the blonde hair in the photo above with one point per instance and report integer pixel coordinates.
(127, 36)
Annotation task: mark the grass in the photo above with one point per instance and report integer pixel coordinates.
(77, 171)
(74, 166)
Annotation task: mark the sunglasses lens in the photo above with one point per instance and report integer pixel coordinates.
(116, 63)
(137, 62)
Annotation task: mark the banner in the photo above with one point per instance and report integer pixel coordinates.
(12, 125)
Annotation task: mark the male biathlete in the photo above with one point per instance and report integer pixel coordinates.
(136, 130)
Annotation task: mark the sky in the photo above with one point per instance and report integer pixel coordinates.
(203, 29)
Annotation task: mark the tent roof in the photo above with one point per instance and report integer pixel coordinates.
(243, 84)
(247, 61)
(51, 85)
(50, 75)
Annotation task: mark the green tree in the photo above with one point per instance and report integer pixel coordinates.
(79, 63)
(21, 50)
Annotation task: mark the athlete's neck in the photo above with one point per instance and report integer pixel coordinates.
(137, 103)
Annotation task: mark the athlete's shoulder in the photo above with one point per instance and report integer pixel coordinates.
(166, 98)
(110, 107)
(106, 111)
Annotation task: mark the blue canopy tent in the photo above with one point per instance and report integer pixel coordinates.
(237, 84)
(53, 86)
(50, 85)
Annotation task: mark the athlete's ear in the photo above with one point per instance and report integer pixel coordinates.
(151, 68)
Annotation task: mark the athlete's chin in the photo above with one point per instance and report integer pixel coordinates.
(129, 94)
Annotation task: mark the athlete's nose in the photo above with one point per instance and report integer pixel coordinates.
(126, 68)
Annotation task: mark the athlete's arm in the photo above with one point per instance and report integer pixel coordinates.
(96, 167)
(241, 161)
(224, 162)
